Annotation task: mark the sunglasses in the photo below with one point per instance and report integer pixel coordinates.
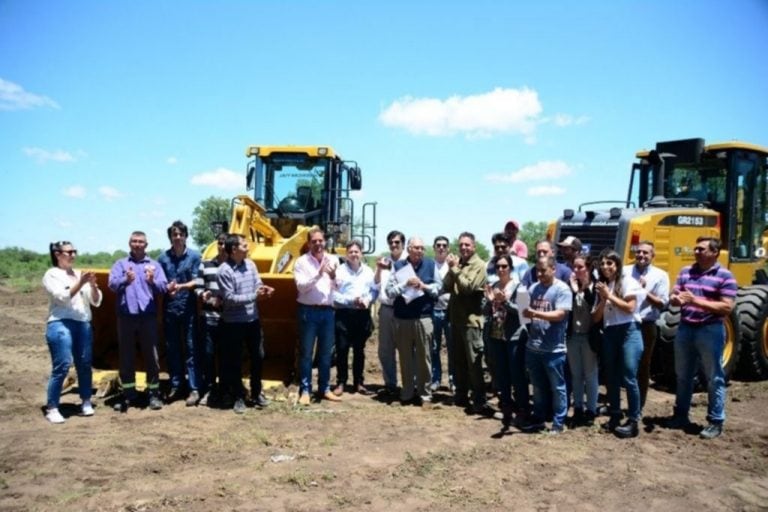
(73, 252)
(502, 266)
(441, 246)
(395, 242)
(500, 247)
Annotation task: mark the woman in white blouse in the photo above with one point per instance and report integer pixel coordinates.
(71, 293)
(618, 300)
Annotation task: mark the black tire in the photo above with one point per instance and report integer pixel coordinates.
(752, 306)
(663, 362)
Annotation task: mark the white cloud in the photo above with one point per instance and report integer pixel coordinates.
(109, 193)
(42, 156)
(550, 190)
(63, 223)
(14, 97)
(220, 178)
(546, 170)
(567, 120)
(76, 191)
(499, 111)
(172, 160)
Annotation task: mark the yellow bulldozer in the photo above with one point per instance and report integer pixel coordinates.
(677, 192)
(292, 188)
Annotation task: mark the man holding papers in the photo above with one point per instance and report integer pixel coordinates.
(414, 285)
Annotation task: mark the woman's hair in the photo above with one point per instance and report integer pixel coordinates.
(610, 254)
(55, 247)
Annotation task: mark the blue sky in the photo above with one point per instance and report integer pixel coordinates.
(119, 115)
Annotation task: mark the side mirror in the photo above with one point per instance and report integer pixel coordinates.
(355, 178)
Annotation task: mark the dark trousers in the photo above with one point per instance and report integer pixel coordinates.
(353, 327)
(211, 344)
(141, 328)
(234, 335)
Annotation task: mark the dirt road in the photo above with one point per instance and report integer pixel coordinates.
(360, 454)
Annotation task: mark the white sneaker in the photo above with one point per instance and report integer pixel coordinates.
(54, 416)
(87, 408)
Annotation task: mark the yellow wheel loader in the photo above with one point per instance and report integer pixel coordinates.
(679, 191)
(292, 188)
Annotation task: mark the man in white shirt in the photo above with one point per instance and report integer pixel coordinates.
(655, 283)
(314, 274)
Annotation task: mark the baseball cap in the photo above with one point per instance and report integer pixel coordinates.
(570, 241)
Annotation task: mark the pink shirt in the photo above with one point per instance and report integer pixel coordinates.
(520, 249)
(314, 289)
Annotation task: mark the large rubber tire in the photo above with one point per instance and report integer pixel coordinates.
(752, 305)
(664, 353)
(663, 362)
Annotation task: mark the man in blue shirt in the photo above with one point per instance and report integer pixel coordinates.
(550, 302)
(180, 265)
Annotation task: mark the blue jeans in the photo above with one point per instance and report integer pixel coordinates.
(176, 327)
(69, 340)
(584, 375)
(440, 328)
(705, 343)
(622, 350)
(547, 371)
(315, 323)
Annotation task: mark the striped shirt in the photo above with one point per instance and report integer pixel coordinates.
(206, 280)
(238, 285)
(714, 284)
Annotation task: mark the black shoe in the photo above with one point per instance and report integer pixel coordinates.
(121, 405)
(460, 401)
(239, 406)
(174, 395)
(532, 425)
(589, 418)
(155, 403)
(677, 422)
(483, 409)
(577, 420)
(260, 401)
(711, 431)
(612, 424)
(627, 430)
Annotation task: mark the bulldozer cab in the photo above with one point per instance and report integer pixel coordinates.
(310, 186)
(730, 178)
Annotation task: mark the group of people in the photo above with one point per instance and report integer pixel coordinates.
(551, 327)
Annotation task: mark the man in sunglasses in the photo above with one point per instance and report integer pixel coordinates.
(387, 347)
(441, 328)
(705, 293)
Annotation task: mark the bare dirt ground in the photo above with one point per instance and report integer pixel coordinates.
(361, 453)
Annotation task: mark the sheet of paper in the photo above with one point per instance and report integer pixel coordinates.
(523, 301)
(402, 276)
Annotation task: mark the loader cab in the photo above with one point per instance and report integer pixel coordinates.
(729, 178)
(310, 186)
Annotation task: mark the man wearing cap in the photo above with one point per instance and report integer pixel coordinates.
(517, 246)
(570, 247)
